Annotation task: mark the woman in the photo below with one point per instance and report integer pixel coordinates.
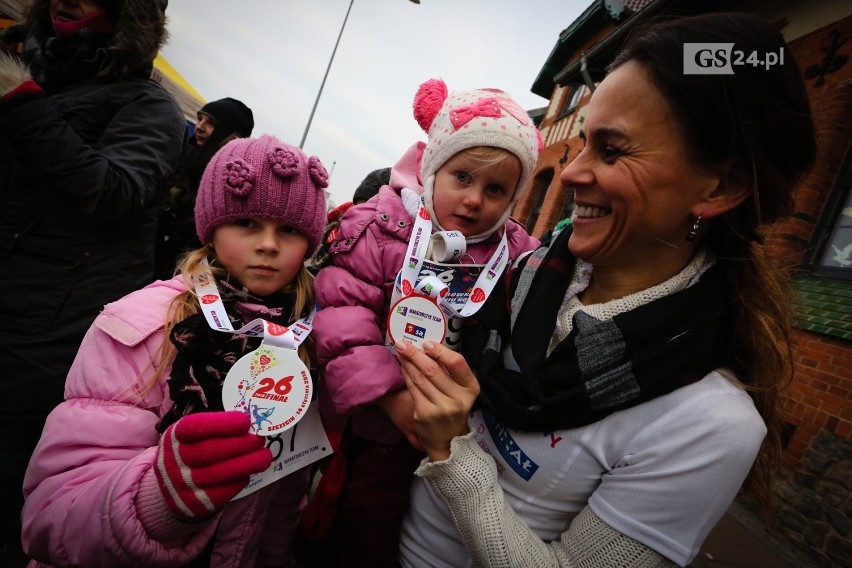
(633, 388)
(87, 143)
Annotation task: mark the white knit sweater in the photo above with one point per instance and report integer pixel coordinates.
(496, 538)
(493, 533)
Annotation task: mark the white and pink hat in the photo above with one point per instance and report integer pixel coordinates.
(465, 119)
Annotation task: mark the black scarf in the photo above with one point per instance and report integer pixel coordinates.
(601, 366)
(204, 355)
(55, 62)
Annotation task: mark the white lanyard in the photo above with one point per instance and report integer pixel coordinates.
(432, 286)
(213, 308)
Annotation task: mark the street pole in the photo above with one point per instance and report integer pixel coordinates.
(327, 69)
(324, 77)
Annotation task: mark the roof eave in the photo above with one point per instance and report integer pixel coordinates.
(580, 30)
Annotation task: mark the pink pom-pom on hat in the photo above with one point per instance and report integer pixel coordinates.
(428, 101)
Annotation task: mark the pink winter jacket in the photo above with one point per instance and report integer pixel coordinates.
(354, 296)
(91, 495)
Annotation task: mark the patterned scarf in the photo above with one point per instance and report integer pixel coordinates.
(204, 355)
(601, 366)
(55, 62)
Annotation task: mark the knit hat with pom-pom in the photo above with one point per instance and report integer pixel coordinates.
(267, 178)
(465, 119)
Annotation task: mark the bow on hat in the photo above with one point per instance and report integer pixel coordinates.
(490, 107)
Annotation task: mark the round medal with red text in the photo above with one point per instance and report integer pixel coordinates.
(272, 386)
(416, 319)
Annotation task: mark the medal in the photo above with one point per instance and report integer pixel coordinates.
(416, 319)
(270, 384)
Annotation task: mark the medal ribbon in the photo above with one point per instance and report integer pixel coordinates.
(214, 312)
(432, 286)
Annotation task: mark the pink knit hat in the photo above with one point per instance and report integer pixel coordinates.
(262, 177)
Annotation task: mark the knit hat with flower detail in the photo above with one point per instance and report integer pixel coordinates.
(267, 178)
(465, 119)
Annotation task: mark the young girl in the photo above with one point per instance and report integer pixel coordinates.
(480, 156)
(104, 487)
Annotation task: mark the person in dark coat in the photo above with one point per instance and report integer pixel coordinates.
(87, 142)
(218, 123)
(370, 185)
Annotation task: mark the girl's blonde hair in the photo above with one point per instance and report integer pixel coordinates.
(487, 155)
(185, 304)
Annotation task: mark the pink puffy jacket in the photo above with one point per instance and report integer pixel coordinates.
(354, 296)
(91, 495)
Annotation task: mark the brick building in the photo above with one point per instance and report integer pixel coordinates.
(813, 489)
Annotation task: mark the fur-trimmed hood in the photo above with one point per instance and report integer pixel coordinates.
(140, 32)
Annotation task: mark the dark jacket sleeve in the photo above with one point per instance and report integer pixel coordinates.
(114, 177)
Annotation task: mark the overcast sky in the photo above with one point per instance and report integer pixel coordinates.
(272, 54)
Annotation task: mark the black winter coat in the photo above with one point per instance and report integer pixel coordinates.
(82, 175)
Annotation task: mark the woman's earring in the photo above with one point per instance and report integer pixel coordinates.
(690, 236)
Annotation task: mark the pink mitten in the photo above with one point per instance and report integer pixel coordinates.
(205, 459)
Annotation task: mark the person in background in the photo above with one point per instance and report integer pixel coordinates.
(553, 233)
(87, 142)
(612, 416)
(368, 187)
(469, 176)
(219, 122)
(139, 465)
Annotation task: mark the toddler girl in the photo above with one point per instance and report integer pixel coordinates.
(479, 159)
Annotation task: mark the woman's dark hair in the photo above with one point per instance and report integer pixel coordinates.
(757, 121)
(756, 126)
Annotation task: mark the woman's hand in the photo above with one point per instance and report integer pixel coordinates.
(443, 389)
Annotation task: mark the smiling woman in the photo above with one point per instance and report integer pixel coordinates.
(637, 188)
(610, 416)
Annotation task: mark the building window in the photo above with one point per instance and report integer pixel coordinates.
(540, 185)
(833, 243)
(572, 99)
